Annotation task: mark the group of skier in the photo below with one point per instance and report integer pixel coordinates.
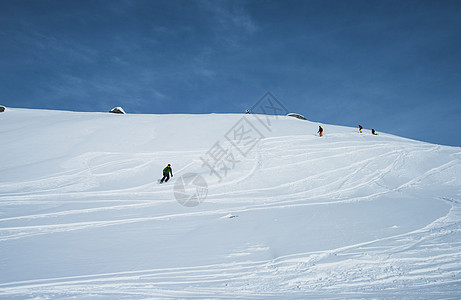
(320, 132)
(167, 171)
(372, 130)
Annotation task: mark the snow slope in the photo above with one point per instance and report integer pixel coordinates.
(292, 215)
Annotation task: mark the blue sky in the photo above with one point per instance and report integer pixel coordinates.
(390, 65)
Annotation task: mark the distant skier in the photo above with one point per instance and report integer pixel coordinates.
(360, 128)
(373, 132)
(247, 112)
(166, 173)
(320, 132)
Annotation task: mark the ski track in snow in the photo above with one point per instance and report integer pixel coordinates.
(422, 262)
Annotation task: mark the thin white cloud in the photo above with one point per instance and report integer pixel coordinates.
(231, 22)
(50, 47)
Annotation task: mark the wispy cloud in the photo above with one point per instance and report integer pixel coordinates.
(232, 23)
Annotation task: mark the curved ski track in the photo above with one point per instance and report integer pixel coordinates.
(416, 261)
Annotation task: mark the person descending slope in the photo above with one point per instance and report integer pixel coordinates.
(320, 132)
(166, 173)
(373, 132)
(360, 128)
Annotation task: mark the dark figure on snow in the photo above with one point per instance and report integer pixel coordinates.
(373, 131)
(360, 128)
(320, 132)
(166, 173)
(247, 112)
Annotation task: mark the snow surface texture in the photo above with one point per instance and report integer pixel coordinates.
(294, 215)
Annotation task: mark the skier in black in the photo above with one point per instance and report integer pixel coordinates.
(373, 132)
(320, 132)
(166, 173)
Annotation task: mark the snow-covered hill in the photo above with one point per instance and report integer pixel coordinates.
(274, 211)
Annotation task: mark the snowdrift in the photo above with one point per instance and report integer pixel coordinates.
(279, 211)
